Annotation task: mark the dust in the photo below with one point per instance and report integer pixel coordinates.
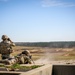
(50, 57)
(45, 59)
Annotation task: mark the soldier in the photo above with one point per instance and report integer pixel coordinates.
(6, 47)
(22, 58)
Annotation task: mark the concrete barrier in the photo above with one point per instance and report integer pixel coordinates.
(9, 73)
(63, 70)
(44, 70)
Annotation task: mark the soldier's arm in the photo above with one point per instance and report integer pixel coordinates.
(30, 62)
(12, 44)
(30, 59)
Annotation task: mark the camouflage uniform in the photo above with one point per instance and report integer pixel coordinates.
(8, 61)
(6, 47)
(21, 58)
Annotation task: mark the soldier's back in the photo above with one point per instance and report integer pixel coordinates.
(4, 47)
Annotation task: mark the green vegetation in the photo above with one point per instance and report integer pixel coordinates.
(2, 65)
(64, 44)
(16, 67)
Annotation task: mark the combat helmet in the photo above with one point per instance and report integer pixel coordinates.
(26, 52)
(4, 37)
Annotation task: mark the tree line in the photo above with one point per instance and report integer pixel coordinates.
(68, 44)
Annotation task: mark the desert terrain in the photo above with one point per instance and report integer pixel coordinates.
(44, 55)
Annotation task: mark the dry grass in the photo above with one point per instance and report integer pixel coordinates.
(52, 53)
(45, 52)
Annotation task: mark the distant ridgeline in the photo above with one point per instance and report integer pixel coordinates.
(68, 44)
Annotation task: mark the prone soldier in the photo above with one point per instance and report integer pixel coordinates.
(25, 57)
(22, 58)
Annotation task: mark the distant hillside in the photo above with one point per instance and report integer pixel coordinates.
(69, 44)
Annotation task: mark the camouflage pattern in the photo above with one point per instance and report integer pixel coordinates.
(19, 59)
(23, 59)
(6, 47)
(4, 37)
(5, 56)
(26, 52)
(26, 57)
(9, 61)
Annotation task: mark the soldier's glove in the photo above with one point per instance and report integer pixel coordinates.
(10, 40)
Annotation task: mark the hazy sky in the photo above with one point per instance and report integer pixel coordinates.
(38, 20)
